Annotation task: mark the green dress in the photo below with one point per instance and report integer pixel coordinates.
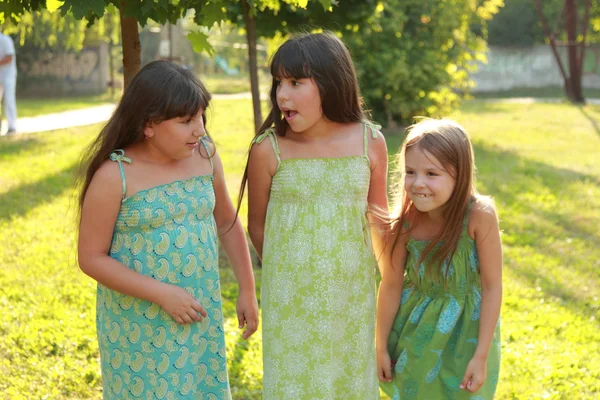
(167, 232)
(318, 288)
(435, 332)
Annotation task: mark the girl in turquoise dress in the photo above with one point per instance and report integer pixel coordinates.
(153, 207)
(438, 332)
(311, 179)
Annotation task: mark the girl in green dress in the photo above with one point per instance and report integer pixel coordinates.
(438, 332)
(153, 208)
(315, 168)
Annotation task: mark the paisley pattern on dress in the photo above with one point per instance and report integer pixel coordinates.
(435, 332)
(168, 233)
(318, 289)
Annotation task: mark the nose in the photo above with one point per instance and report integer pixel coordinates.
(282, 93)
(199, 130)
(419, 181)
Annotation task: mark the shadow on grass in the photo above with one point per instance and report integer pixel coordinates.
(590, 118)
(21, 199)
(14, 145)
(512, 180)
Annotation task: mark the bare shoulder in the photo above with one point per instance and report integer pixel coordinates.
(483, 217)
(262, 155)
(107, 179)
(378, 151)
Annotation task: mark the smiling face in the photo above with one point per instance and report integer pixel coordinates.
(176, 138)
(427, 183)
(300, 102)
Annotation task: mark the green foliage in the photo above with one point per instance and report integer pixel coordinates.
(290, 17)
(518, 23)
(414, 56)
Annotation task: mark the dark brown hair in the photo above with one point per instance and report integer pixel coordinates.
(160, 91)
(324, 58)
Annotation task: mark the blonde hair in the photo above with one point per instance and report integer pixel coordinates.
(449, 143)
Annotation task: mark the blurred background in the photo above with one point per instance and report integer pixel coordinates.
(522, 76)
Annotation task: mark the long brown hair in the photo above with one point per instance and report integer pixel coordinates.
(449, 143)
(160, 91)
(324, 58)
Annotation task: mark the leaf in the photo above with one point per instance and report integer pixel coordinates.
(53, 5)
(199, 42)
(211, 13)
(81, 9)
(328, 4)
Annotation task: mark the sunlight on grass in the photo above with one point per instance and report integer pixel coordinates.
(538, 161)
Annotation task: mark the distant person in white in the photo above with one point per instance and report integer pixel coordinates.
(8, 81)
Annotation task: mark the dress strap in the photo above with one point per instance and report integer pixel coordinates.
(119, 156)
(373, 128)
(468, 212)
(204, 140)
(270, 133)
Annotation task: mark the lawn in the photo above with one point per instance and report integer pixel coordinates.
(539, 161)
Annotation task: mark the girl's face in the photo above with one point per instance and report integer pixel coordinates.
(428, 184)
(176, 138)
(300, 102)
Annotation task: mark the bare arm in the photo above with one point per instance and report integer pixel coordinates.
(98, 217)
(388, 300)
(378, 201)
(262, 165)
(489, 250)
(233, 240)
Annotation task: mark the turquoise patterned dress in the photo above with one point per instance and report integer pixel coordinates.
(435, 332)
(318, 281)
(167, 232)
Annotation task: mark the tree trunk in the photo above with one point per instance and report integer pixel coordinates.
(576, 95)
(130, 39)
(252, 64)
(550, 36)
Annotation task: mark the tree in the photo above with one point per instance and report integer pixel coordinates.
(576, 42)
(414, 56)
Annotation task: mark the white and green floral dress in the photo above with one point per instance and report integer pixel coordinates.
(318, 289)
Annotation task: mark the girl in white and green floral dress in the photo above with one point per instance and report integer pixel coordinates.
(310, 186)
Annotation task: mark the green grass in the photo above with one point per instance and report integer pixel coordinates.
(539, 162)
(223, 84)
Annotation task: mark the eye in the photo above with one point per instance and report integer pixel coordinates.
(295, 82)
(432, 174)
(409, 172)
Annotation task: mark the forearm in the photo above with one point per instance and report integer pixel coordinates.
(116, 276)
(257, 236)
(379, 238)
(235, 245)
(490, 313)
(388, 303)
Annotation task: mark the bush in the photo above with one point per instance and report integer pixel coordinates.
(415, 55)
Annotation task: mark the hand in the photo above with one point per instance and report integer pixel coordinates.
(247, 312)
(384, 366)
(181, 305)
(475, 375)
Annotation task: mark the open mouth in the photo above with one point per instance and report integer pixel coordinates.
(289, 114)
(421, 195)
